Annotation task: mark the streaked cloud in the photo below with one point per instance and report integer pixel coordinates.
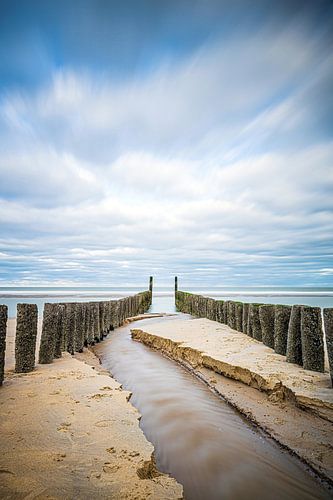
(215, 164)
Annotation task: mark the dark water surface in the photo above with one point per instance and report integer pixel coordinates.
(198, 438)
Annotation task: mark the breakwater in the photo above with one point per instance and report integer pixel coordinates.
(66, 327)
(292, 331)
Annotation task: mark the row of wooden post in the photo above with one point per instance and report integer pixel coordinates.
(293, 331)
(66, 327)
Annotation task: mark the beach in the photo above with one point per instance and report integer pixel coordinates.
(68, 430)
(72, 420)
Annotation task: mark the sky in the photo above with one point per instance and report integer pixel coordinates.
(171, 137)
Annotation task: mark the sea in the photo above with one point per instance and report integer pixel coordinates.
(163, 296)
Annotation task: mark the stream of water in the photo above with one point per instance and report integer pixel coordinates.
(199, 439)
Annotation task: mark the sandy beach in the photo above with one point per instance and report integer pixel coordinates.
(69, 431)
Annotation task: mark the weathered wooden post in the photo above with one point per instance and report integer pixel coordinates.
(96, 321)
(245, 317)
(3, 329)
(239, 316)
(281, 325)
(226, 312)
(312, 339)
(59, 330)
(328, 322)
(69, 337)
(49, 332)
(231, 314)
(294, 341)
(249, 322)
(176, 284)
(89, 324)
(78, 326)
(267, 317)
(211, 308)
(26, 335)
(151, 284)
(219, 311)
(254, 322)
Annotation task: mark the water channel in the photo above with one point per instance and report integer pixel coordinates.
(199, 439)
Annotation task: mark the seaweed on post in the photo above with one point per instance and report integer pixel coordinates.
(294, 341)
(26, 335)
(312, 339)
(3, 329)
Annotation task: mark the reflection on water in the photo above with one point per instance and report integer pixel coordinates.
(200, 440)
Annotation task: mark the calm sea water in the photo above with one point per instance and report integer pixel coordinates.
(163, 300)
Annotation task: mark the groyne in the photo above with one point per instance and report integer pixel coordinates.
(292, 331)
(66, 327)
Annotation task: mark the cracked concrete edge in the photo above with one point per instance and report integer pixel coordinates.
(270, 384)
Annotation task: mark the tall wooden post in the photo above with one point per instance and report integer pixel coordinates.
(312, 339)
(151, 284)
(26, 335)
(3, 328)
(328, 322)
(176, 284)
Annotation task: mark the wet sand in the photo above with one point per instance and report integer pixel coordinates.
(68, 431)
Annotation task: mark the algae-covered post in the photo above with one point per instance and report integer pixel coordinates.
(312, 339)
(294, 342)
(226, 312)
(328, 322)
(49, 333)
(266, 317)
(151, 284)
(239, 316)
(3, 329)
(25, 340)
(219, 311)
(176, 284)
(70, 328)
(245, 317)
(232, 314)
(281, 325)
(59, 330)
(78, 327)
(254, 322)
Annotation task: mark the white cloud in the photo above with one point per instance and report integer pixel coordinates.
(185, 169)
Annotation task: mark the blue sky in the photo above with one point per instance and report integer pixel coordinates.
(171, 137)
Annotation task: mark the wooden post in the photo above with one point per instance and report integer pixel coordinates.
(281, 325)
(254, 328)
(151, 284)
(176, 284)
(59, 331)
(239, 316)
(26, 334)
(3, 329)
(267, 317)
(49, 333)
(294, 342)
(312, 339)
(328, 322)
(246, 306)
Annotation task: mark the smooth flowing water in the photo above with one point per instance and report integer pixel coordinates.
(199, 439)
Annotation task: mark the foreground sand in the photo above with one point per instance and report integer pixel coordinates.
(293, 405)
(68, 431)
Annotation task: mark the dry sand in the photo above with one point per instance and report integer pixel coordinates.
(293, 405)
(68, 431)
